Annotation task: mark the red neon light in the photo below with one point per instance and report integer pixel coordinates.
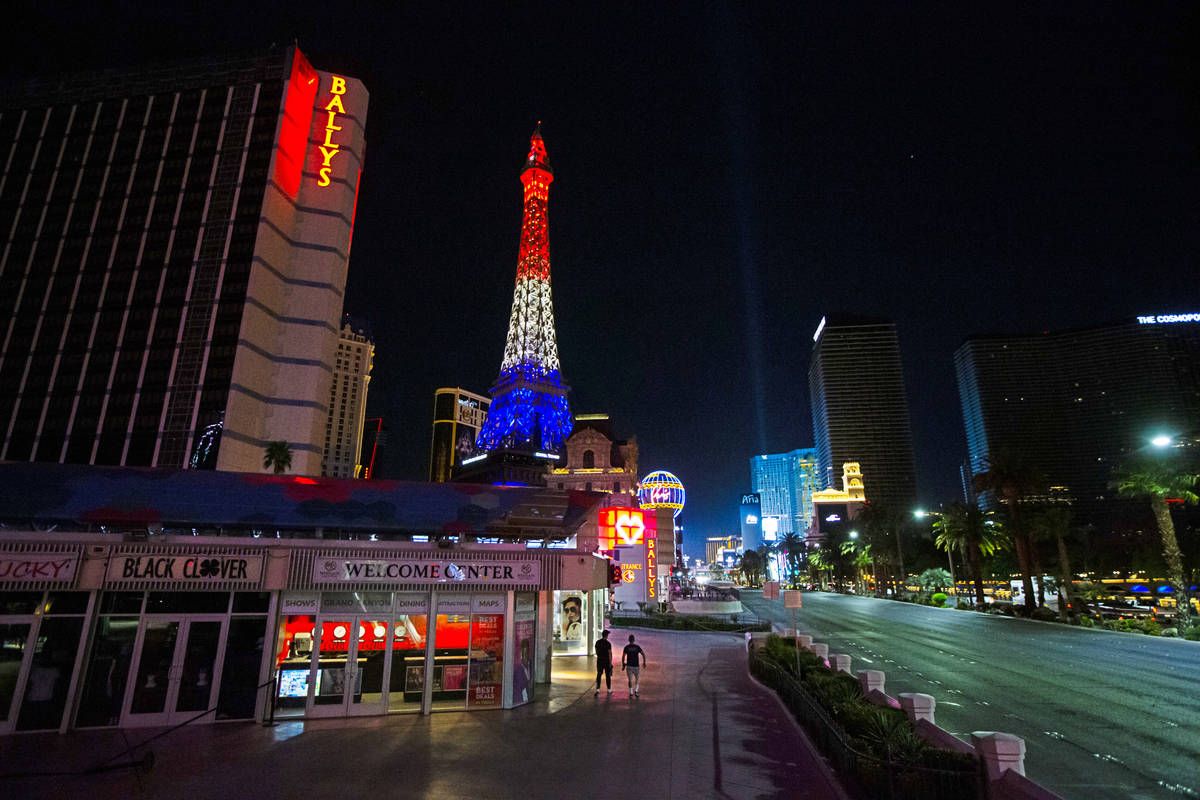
(299, 94)
(622, 527)
(533, 259)
(309, 481)
(374, 445)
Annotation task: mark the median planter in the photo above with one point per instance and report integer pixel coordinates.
(681, 622)
(876, 748)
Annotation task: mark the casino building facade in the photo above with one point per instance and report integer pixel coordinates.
(153, 597)
(175, 246)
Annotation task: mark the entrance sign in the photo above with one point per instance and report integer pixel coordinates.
(791, 598)
(406, 570)
(198, 569)
(37, 566)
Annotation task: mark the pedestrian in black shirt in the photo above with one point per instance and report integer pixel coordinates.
(604, 664)
(631, 665)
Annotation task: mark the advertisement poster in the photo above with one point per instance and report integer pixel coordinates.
(523, 664)
(571, 618)
(487, 656)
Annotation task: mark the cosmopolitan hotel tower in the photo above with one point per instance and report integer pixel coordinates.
(175, 244)
(1075, 402)
(860, 412)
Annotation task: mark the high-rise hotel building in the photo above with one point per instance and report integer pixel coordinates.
(859, 408)
(1074, 403)
(458, 416)
(348, 404)
(785, 483)
(174, 253)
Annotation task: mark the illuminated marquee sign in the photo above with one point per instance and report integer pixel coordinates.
(622, 527)
(330, 148)
(1162, 319)
(651, 568)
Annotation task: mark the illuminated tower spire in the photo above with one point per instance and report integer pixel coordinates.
(529, 399)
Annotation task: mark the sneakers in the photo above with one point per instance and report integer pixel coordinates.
(635, 694)
(596, 693)
(610, 691)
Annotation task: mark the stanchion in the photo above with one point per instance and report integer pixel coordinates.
(269, 722)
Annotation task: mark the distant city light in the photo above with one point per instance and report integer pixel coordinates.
(821, 327)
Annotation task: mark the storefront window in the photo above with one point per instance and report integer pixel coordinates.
(570, 623)
(293, 663)
(524, 621)
(408, 661)
(104, 684)
(12, 651)
(452, 643)
(50, 673)
(487, 652)
(239, 677)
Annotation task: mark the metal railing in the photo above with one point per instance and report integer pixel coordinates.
(867, 776)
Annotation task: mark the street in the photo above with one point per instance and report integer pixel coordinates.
(1103, 714)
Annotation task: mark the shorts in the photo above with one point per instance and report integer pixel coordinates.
(633, 671)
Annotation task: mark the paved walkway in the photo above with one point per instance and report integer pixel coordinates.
(702, 728)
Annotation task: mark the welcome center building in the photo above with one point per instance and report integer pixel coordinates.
(144, 597)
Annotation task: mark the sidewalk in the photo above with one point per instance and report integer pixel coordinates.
(702, 728)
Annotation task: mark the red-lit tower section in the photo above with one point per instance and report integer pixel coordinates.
(529, 399)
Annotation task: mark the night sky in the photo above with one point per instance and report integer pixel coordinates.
(724, 176)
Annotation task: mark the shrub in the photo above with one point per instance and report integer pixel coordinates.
(1151, 628)
(1087, 622)
(938, 599)
(1044, 614)
(1192, 634)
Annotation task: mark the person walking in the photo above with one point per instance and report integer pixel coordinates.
(604, 662)
(631, 665)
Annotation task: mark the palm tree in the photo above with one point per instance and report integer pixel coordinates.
(1159, 479)
(278, 456)
(751, 567)
(1055, 522)
(791, 545)
(1012, 480)
(971, 531)
(884, 527)
(860, 559)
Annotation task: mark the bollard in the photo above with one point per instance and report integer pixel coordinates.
(820, 650)
(871, 680)
(840, 663)
(1000, 752)
(918, 706)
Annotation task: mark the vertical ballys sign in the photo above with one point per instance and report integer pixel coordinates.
(329, 148)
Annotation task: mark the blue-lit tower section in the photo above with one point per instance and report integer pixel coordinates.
(529, 398)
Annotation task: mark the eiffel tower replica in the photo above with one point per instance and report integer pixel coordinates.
(528, 421)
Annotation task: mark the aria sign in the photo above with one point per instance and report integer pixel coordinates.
(1162, 319)
(330, 148)
(403, 570)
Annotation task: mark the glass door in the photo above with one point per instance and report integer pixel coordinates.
(331, 666)
(372, 655)
(175, 669)
(350, 659)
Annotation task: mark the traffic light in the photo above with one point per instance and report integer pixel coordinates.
(614, 573)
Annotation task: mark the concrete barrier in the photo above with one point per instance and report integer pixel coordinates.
(840, 662)
(918, 706)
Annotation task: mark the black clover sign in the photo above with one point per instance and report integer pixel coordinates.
(210, 567)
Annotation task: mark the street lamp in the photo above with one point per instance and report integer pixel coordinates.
(1161, 441)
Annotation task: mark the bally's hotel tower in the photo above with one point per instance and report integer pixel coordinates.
(174, 252)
